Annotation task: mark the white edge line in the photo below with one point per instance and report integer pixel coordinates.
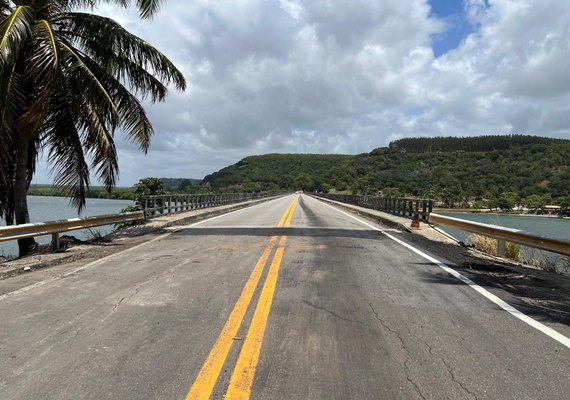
(101, 260)
(490, 296)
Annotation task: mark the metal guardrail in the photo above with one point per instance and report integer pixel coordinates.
(168, 204)
(406, 207)
(54, 228)
(503, 235)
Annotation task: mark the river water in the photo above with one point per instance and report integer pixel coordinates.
(45, 208)
(547, 226)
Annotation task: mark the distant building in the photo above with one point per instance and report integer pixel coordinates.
(552, 208)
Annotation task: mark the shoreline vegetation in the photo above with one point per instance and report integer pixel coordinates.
(530, 213)
(94, 192)
(527, 256)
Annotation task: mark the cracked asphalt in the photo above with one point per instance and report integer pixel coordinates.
(355, 315)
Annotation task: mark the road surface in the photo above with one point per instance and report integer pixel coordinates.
(290, 299)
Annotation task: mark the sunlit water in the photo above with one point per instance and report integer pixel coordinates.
(44, 208)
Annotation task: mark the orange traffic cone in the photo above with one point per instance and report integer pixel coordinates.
(415, 222)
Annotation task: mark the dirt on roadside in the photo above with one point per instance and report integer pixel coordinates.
(533, 291)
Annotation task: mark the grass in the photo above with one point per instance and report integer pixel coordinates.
(548, 262)
(513, 251)
(95, 236)
(490, 246)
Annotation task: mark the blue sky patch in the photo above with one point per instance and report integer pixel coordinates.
(452, 11)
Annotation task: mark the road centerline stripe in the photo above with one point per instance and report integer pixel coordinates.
(244, 372)
(207, 378)
(208, 375)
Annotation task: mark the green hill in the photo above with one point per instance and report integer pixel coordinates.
(458, 171)
(277, 172)
(179, 184)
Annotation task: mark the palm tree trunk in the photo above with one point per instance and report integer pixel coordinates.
(21, 191)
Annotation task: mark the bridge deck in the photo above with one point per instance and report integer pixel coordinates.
(289, 299)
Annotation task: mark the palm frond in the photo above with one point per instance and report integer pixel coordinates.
(14, 32)
(4, 9)
(141, 82)
(114, 45)
(147, 8)
(78, 71)
(65, 152)
(100, 146)
(33, 153)
(133, 118)
(42, 73)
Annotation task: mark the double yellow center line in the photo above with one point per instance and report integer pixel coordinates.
(244, 371)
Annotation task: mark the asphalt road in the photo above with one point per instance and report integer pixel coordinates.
(290, 299)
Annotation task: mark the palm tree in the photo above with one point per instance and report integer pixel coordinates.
(68, 80)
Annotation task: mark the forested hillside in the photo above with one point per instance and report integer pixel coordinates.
(272, 172)
(471, 143)
(489, 170)
(485, 171)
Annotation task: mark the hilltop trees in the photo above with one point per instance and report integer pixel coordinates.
(510, 169)
(68, 80)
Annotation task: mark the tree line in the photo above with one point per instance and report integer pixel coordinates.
(511, 170)
(531, 172)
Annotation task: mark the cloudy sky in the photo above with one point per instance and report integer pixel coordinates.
(347, 76)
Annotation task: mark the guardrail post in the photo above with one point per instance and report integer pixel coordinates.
(501, 248)
(55, 243)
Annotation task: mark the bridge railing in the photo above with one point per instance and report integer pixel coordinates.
(168, 204)
(503, 235)
(54, 228)
(405, 207)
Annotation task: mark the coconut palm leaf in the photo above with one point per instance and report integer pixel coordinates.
(119, 51)
(62, 139)
(79, 74)
(134, 120)
(14, 32)
(42, 72)
(68, 80)
(147, 8)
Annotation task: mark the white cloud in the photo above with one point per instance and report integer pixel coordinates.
(345, 76)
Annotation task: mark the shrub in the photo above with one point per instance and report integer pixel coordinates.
(490, 246)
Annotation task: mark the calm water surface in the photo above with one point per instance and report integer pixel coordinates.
(551, 227)
(44, 208)
(548, 226)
